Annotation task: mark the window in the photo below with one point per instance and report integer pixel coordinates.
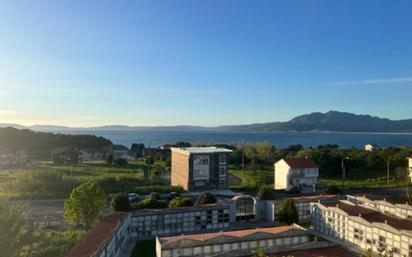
(222, 182)
(201, 167)
(222, 171)
(222, 158)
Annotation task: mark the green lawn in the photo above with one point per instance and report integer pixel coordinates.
(145, 248)
(47, 180)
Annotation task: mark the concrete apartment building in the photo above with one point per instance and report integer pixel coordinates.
(200, 168)
(106, 239)
(296, 172)
(363, 228)
(233, 243)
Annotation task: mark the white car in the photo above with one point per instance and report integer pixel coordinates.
(133, 197)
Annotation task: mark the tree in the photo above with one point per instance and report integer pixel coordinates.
(138, 150)
(260, 252)
(53, 243)
(84, 204)
(151, 202)
(288, 212)
(206, 198)
(120, 202)
(180, 202)
(264, 151)
(266, 193)
(109, 159)
(14, 235)
(333, 190)
(155, 172)
(120, 161)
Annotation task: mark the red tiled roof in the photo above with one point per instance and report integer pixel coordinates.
(372, 215)
(301, 163)
(93, 240)
(234, 233)
(333, 251)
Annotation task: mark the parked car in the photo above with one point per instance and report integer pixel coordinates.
(293, 190)
(173, 195)
(133, 197)
(155, 194)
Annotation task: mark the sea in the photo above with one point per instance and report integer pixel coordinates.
(154, 138)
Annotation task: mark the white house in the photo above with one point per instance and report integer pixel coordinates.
(410, 167)
(371, 147)
(296, 172)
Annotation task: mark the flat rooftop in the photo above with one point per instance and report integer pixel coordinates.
(200, 150)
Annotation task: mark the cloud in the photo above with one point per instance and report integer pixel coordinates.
(373, 81)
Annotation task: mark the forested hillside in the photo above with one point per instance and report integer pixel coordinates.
(39, 144)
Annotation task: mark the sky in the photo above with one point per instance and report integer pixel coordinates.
(214, 62)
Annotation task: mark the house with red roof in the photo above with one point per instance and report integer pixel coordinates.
(301, 173)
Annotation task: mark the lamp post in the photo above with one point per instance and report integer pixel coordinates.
(344, 171)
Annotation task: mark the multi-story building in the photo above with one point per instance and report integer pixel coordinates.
(106, 239)
(233, 243)
(410, 167)
(296, 173)
(362, 227)
(200, 168)
(147, 224)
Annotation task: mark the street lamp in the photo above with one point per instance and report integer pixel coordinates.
(344, 171)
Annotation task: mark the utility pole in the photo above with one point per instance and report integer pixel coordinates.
(243, 161)
(387, 171)
(344, 171)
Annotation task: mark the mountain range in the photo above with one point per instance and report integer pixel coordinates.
(332, 121)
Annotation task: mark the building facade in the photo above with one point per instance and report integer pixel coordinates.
(147, 224)
(370, 147)
(363, 227)
(200, 168)
(302, 204)
(233, 243)
(299, 173)
(106, 239)
(410, 167)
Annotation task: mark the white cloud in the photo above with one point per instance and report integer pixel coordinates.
(373, 81)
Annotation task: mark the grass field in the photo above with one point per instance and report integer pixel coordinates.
(358, 179)
(47, 180)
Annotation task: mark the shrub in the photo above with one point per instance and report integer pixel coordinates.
(120, 161)
(180, 202)
(333, 189)
(120, 202)
(266, 193)
(206, 198)
(151, 202)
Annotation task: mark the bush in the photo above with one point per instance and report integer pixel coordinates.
(120, 161)
(120, 202)
(288, 212)
(266, 193)
(333, 190)
(206, 198)
(151, 202)
(180, 202)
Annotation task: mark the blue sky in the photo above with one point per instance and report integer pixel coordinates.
(86, 63)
